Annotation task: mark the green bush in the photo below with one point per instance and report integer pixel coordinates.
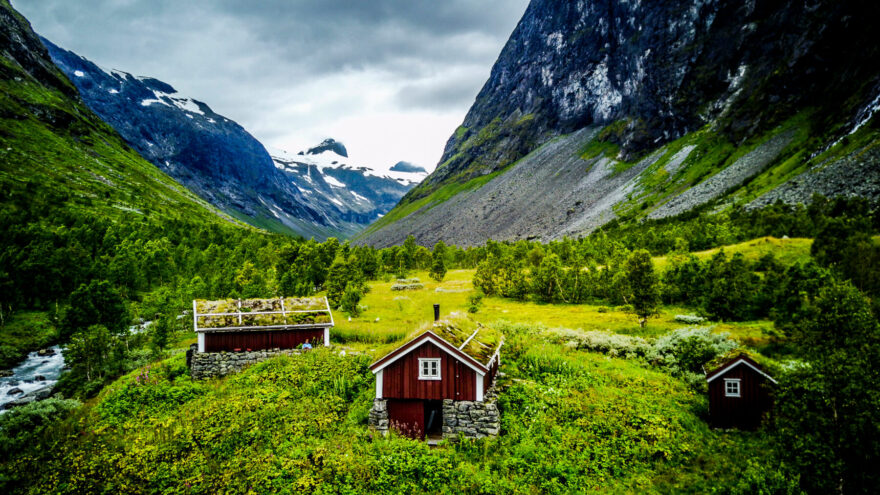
(688, 349)
(23, 426)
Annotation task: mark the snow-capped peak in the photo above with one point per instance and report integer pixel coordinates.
(325, 156)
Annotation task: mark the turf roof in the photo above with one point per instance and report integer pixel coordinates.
(477, 341)
(256, 313)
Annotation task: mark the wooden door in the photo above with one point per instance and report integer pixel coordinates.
(407, 417)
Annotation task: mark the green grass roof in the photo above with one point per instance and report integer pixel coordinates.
(256, 313)
(472, 338)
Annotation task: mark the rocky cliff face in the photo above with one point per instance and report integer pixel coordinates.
(18, 43)
(220, 161)
(647, 75)
(662, 69)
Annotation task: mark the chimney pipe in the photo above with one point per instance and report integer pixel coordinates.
(436, 312)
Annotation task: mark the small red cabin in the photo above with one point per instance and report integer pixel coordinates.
(234, 325)
(443, 363)
(739, 393)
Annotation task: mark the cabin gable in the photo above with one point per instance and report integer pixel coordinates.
(401, 380)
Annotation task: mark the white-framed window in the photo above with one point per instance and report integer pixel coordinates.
(732, 387)
(429, 368)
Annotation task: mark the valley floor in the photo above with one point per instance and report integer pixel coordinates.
(572, 420)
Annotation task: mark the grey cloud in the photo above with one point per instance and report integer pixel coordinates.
(443, 92)
(252, 60)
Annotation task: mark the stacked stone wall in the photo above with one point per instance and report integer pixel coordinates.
(461, 418)
(379, 416)
(470, 419)
(215, 364)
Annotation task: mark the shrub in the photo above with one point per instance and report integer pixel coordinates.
(23, 425)
(400, 287)
(475, 300)
(615, 345)
(688, 349)
(690, 319)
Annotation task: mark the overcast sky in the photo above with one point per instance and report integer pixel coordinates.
(391, 79)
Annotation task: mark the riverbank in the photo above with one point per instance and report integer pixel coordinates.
(22, 333)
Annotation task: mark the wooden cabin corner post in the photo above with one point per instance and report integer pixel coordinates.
(327, 329)
(379, 384)
(199, 335)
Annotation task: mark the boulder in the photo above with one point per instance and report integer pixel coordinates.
(15, 391)
(46, 352)
(42, 393)
(39, 378)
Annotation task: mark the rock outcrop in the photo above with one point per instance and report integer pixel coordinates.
(647, 74)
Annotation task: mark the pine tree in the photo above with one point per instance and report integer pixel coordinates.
(438, 266)
(642, 285)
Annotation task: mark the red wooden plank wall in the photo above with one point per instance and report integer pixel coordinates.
(744, 411)
(400, 380)
(256, 341)
(407, 417)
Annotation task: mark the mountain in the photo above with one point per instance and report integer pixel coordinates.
(328, 144)
(220, 161)
(59, 160)
(206, 152)
(357, 195)
(609, 109)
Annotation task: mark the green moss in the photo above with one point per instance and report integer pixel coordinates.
(525, 119)
(597, 148)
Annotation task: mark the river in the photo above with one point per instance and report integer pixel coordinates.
(24, 375)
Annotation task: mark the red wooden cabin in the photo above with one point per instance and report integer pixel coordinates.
(260, 324)
(739, 393)
(443, 362)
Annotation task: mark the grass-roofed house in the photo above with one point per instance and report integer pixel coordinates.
(440, 383)
(235, 332)
(739, 391)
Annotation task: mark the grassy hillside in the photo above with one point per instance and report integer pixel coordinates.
(590, 401)
(53, 149)
(78, 205)
(571, 421)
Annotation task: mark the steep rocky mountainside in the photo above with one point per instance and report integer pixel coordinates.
(208, 153)
(220, 161)
(56, 155)
(700, 84)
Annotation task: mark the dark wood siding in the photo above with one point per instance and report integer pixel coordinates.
(487, 380)
(400, 379)
(256, 341)
(745, 411)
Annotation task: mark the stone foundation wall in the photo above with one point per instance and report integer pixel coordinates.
(213, 364)
(469, 419)
(379, 416)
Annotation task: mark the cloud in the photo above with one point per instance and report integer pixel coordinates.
(294, 71)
